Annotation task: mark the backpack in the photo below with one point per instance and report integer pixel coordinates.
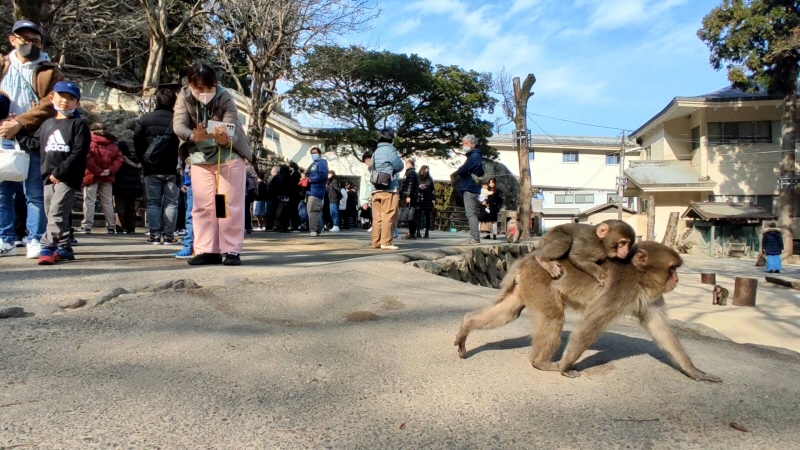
(159, 148)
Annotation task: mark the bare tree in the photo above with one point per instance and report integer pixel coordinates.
(158, 17)
(261, 39)
(515, 107)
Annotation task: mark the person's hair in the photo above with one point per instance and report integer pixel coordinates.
(471, 138)
(386, 135)
(101, 129)
(202, 73)
(423, 171)
(367, 155)
(411, 161)
(771, 225)
(492, 180)
(332, 173)
(315, 148)
(166, 98)
(485, 184)
(293, 165)
(348, 184)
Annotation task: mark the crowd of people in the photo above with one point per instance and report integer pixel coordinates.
(191, 160)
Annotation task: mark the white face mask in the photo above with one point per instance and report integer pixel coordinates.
(204, 98)
(466, 148)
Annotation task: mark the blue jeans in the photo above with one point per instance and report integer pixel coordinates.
(162, 204)
(773, 262)
(188, 240)
(334, 207)
(34, 193)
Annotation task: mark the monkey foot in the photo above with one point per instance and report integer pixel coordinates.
(461, 343)
(702, 376)
(552, 267)
(571, 374)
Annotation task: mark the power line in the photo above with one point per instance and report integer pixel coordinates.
(580, 123)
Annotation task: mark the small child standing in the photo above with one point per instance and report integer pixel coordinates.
(485, 193)
(64, 141)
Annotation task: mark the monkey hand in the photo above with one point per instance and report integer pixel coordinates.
(552, 267)
(601, 275)
(699, 375)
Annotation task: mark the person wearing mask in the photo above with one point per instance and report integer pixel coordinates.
(334, 196)
(102, 164)
(127, 188)
(385, 196)
(217, 166)
(317, 175)
(469, 189)
(160, 174)
(409, 196)
(365, 190)
(490, 207)
(427, 200)
(27, 77)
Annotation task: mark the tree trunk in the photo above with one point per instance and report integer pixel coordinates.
(651, 218)
(521, 95)
(786, 198)
(33, 10)
(672, 230)
(155, 61)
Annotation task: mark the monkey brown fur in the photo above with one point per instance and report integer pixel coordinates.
(720, 296)
(635, 287)
(512, 231)
(584, 245)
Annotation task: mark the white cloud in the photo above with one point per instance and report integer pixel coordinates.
(615, 14)
(407, 26)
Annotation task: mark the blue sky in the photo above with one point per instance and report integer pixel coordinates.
(605, 62)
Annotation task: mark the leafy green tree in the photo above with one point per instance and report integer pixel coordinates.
(431, 107)
(758, 42)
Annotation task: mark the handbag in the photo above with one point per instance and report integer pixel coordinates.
(14, 164)
(381, 180)
(159, 148)
(304, 182)
(407, 214)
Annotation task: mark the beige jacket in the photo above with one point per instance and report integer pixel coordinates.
(45, 78)
(222, 108)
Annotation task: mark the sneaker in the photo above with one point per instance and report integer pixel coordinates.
(155, 240)
(335, 230)
(19, 243)
(180, 233)
(370, 229)
(471, 241)
(389, 247)
(73, 241)
(112, 231)
(130, 232)
(64, 254)
(7, 249)
(170, 241)
(204, 259)
(46, 258)
(232, 259)
(34, 249)
(185, 253)
(409, 236)
(84, 230)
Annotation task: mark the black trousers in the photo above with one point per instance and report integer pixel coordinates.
(180, 224)
(248, 215)
(126, 211)
(20, 212)
(425, 214)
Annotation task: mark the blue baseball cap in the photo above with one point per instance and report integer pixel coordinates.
(68, 87)
(26, 25)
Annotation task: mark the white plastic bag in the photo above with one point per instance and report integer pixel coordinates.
(14, 164)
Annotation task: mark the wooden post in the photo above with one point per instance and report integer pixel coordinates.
(672, 230)
(651, 217)
(744, 291)
(522, 93)
(708, 278)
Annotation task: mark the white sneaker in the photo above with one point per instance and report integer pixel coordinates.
(370, 229)
(7, 249)
(335, 230)
(34, 249)
(389, 247)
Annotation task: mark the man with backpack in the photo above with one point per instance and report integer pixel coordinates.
(156, 147)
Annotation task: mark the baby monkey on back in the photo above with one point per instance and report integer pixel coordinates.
(585, 246)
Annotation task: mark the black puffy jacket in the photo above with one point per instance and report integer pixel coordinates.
(427, 192)
(410, 187)
(128, 180)
(149, 127)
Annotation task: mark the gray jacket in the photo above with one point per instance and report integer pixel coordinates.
(387, 160)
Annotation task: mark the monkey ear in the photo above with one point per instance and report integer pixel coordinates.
(640, 259)
(602, 230)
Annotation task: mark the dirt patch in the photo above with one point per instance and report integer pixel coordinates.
(362, 316)
(391, 303)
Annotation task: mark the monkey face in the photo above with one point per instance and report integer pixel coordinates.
(672, 280)
(620, 249)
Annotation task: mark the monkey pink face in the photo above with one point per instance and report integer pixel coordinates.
(672, 281)
(621, 249)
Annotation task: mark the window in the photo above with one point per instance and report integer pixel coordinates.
(530, 156)
(724, 133)
(564, 199)
(569, 157)
(613, 198)
(612, 159)
(269, 133)
(584, 198)
(695, 138)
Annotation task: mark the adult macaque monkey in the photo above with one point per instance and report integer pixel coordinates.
(634, 287)
(584, 245)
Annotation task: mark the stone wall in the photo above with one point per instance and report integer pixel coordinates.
(483, 266)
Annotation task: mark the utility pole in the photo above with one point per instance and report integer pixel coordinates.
(620, 178)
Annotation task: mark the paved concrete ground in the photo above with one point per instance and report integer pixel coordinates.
(325, 351)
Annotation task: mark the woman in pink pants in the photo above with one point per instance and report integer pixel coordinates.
(217, 166)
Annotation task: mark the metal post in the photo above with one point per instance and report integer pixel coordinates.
(620, 187)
